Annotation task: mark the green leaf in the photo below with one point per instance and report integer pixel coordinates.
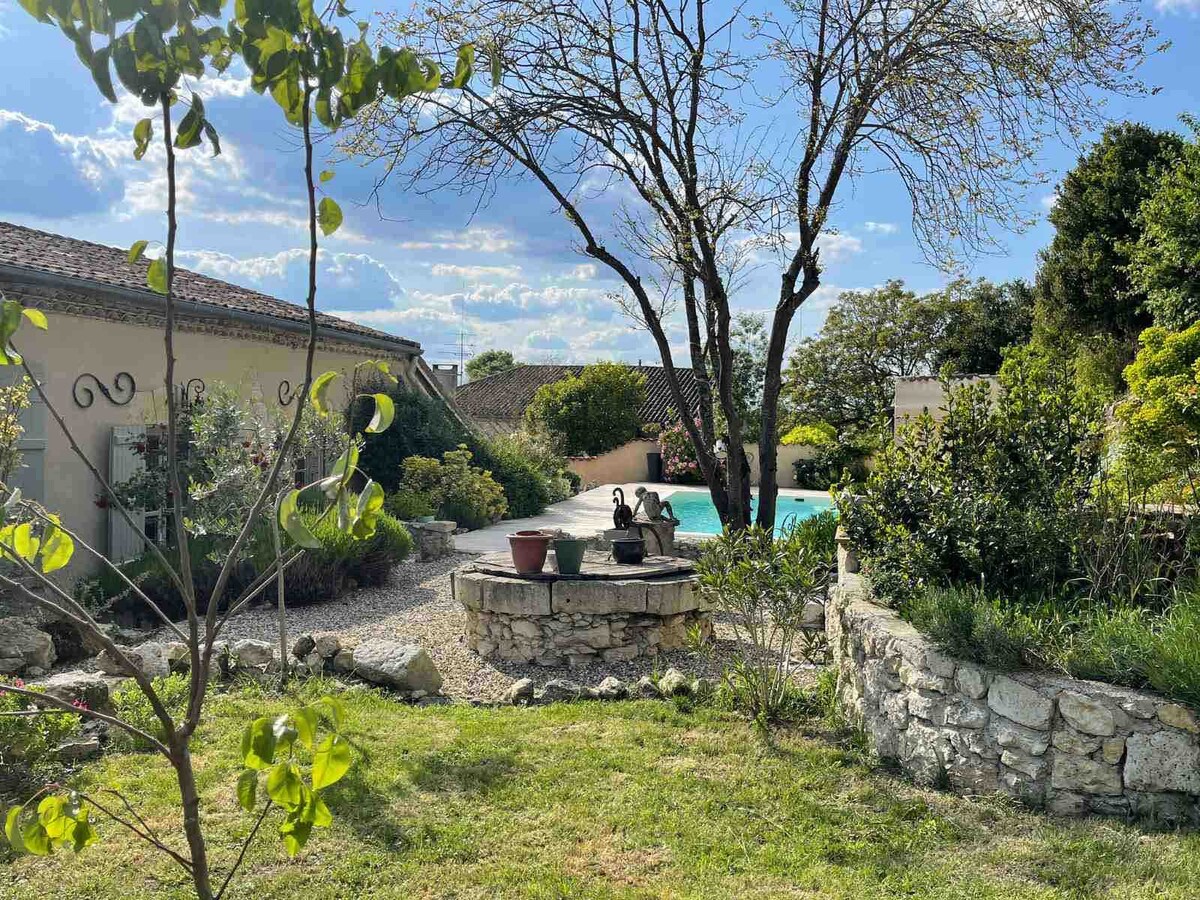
(385, 412)
(83, 832)
(295, 833)
(293, 523)
(57, 549)
(316, 812)
(138, 249)
(101, 74)
(37, 9)
(258, 744)
(35, 839)
(213, 138)
(24, 544)
(156, 275)
(497, 67)
(284, 785)
(464, 67)
(188, 134)
(143, 132)
(306, 720)
(331, 761)
(12, 829)
(334, 710)
(329, 216)
(326, 176)
(36, 318)
(366, 515)
(320, 389)
(247, 789)
(10, 320)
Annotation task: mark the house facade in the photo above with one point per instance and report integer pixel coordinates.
(496, 405)
(101, 362)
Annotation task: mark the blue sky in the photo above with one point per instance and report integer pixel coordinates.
(508, 271)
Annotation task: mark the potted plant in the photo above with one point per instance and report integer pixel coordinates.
(568, 554)
(528, 550)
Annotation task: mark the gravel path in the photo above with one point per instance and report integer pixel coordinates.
(415, 606)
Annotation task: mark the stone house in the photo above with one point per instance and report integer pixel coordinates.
(102, 360)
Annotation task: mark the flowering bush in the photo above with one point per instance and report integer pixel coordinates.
(679, 456)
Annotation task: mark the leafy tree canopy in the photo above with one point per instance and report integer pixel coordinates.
(1083, 285)
(489, 362)
(1165, 260)
(592, 412)
(979, 320)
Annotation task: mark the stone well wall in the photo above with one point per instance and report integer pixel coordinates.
(577, 622)
(1074, 747)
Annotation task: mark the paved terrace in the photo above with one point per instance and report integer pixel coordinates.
(584, 515)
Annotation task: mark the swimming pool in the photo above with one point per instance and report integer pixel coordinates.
(696, 513)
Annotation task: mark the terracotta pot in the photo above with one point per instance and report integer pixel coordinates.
(629, 551)
(568, 555)
(529, 551)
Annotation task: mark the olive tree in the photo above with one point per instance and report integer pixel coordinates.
(310, 69)
(734, 129)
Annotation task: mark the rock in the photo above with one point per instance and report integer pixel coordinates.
(303, 646)
(971, 681)
(1179, 717)
(23, 645)
(328, 645)
(251, 653)
(923, 750)
(928, 706)
(179, 657)
(620, 654)
(1070, 741)
(343, 661)
(35, 672)
(922, 680)
(83, 687)
(813, 615)
(1086, 714)
(70, 640)
(1016, 737)
(1163, 761)
(314, 663)
(79, 748)
(150, 658)
(1020, 703)
(965, 714)
(674, 684)
(611, 688)
(559, 690)
(1032, 766)
(1082, 775)
(434, 700)
(1063, 803)
(646, 689)
(404, 667)
(1113, 750)
(520, 692)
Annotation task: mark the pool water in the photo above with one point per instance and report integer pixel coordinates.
(696, 513)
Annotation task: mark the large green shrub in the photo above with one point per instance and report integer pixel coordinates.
(993, 494)
(28, 740)
(592, 412)
(461, 492)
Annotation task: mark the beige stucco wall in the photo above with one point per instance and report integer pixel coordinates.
(916, 395)
(75, 345)
(628, 463)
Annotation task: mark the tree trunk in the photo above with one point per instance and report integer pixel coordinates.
(181, 759)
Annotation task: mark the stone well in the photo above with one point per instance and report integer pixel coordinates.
(608, 612)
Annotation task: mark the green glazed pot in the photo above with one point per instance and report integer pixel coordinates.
(568, 555)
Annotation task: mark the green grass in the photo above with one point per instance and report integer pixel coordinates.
(637, 799)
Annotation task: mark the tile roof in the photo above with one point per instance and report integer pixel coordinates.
(505, 395)
(41, 251)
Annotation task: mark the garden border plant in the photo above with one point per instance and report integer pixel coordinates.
(306, 65)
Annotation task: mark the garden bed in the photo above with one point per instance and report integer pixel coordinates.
(1072, 746)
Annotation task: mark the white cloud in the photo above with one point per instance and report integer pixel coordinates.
(583, 272)
(475, 272)
(477, 240)
(836, 246)
(1050, 201)
(881, 227)
(1170, 6)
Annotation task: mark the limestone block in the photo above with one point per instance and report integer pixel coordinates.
(327, 645)
(1179, 717)
(1163, 761)
(1113, 750)
(966, 714)
(668, 596)
(1012, 736)
(1064, 803)
(973, 774)
(84, 687)
(1140, 706)
(972, 681)
(599, 597)
(1020, 703)
(1087, 714)
(620, 654)
(249, 652)
(922, 751)
(928, 706)
(1071, 741)
(877, 679)
(405, 667)
(919, 678)
(516, 596)
(23, 645)
(894, 707)
(468, 588)
(1032, 766)
(1082, 775)
(526, 628)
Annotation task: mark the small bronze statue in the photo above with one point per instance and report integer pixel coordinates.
(622, 515)
(655, 508)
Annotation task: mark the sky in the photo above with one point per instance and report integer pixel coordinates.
(441, 270)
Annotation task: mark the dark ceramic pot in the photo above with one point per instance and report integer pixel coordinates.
(568, 555)
(529, 551)
(629, 551)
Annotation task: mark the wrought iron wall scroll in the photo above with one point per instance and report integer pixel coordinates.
(123, 389)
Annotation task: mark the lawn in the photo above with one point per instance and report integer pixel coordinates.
(633, 799)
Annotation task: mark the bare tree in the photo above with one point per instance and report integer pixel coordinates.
(953, 96)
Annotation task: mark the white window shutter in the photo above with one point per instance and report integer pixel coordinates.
(124, 461)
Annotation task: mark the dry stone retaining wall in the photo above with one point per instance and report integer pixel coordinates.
(1074, 747)
(576, 622)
